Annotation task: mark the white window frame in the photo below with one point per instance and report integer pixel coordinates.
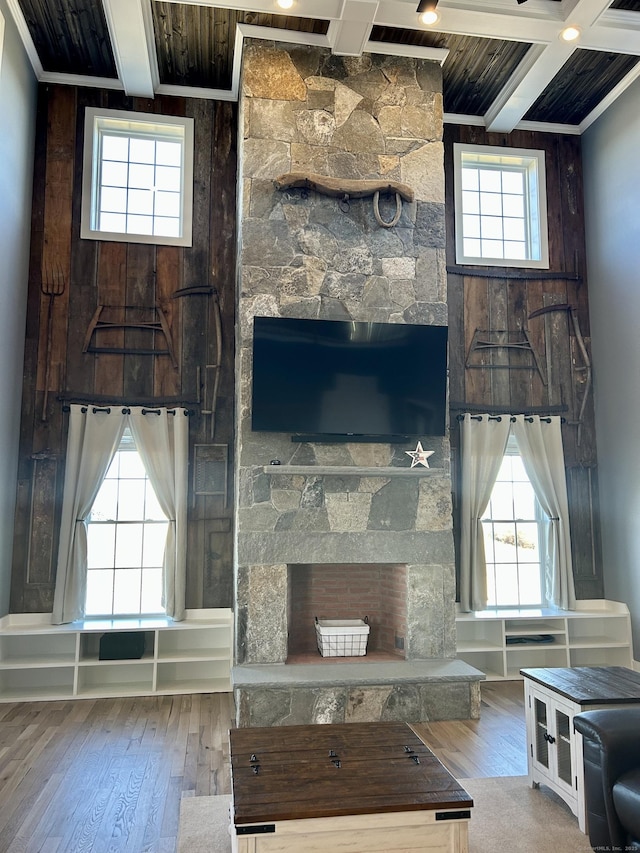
(512, 449)
(127, 445)
(531, 164)
(143, 125)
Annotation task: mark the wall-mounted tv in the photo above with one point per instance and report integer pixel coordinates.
(323, 380)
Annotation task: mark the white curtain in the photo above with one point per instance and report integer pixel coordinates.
(483, 442)
(162, 441)
(540, 444)
(94, 437)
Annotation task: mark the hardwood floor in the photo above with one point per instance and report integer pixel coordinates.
(107, 775)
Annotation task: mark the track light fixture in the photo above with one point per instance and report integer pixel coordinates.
(427, 11)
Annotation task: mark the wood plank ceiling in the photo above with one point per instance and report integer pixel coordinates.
(503, 67)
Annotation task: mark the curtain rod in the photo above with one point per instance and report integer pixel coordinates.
(512, 418)
(127, 411)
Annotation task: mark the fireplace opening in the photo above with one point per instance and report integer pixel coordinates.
(347, 591)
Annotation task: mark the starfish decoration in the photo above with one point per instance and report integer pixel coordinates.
(419, 456)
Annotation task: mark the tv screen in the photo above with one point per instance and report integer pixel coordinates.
(334, 378)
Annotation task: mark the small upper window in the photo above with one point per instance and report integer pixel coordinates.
(137, 178)
(500, 206)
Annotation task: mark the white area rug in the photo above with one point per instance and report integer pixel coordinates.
(508, 816)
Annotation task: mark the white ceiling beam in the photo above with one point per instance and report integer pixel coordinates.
(536, 71)
(129, 24)
(350, 35)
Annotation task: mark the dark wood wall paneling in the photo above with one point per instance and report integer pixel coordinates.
(131, 279)
(118, 274)
(498, 299)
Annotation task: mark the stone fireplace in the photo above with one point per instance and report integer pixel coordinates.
(341, 515)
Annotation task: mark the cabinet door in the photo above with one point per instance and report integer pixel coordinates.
(551, 746)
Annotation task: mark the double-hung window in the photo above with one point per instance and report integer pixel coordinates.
(500, 206)
(137, 177)
(512, 538)
(126, 535)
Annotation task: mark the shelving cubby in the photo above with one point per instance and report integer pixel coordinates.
(39, 660)
(501, 642)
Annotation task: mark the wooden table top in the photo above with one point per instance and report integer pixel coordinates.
(590, 685)
(297, 772)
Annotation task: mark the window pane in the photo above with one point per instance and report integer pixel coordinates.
(513, 182)
(506, 584)
(471, 225)
(152, 509)
(504, 538)
(513, 205)
(99, 593)
(167, 204)
(114, 174)
(491, 227)
(115, 222)
(530, 590)
(168, 153)
(113, 200)
(132, 466)
(166, 227)
(154, 542)
(141, 201)
(528, 542)
(502, 501)
(490, 181)
(518, 469)
(139, 224)
(126, 591)
(152, 591)
(470, 179)
(141, 176)
(168, 178)
(100, 544)
(105, 506)
(470, 202)
(128, 551)
(492, 249)
(131, 500)
(517, 251)
(524, 501)
(490, 205)
(472, 248)
(142, 150)
(115, 147)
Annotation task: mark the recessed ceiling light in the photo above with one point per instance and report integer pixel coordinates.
(570, 33)
(285, 4)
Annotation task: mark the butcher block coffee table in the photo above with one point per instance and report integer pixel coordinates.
(355, 787)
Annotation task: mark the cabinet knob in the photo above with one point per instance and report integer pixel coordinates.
(549, 738)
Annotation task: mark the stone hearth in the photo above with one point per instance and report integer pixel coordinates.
(306, 255)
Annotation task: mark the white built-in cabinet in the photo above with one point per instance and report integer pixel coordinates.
(502, 642)
(41, 661)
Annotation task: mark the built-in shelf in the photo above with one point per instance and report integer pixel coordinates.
(500, 643)
(42, 661)
(353, 470)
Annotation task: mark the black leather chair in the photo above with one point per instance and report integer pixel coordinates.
(611, 740)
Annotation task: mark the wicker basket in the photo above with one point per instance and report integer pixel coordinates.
(342, 637)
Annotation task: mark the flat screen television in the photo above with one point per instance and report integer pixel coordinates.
(324, 380)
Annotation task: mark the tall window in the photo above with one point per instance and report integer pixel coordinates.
(137, 179)
(511, 540)
(126, 534)
(500, 206)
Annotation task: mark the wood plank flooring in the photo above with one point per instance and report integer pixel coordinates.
(107, 775)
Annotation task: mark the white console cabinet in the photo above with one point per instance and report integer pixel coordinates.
(501, 642)
(41, 661)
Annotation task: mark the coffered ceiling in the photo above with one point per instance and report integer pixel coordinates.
(504, 62)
